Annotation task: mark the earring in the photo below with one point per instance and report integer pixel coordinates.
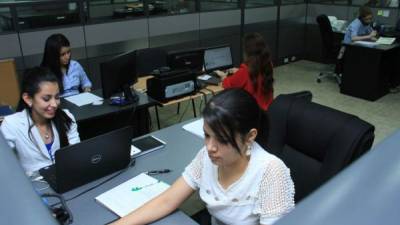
(248, 151)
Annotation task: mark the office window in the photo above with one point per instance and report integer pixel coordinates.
(213, 5)
(260, 3)
(32, 16)
(6, 22)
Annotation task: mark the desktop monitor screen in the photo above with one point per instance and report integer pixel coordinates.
(118, 74)
(217, 58)
(192, 59)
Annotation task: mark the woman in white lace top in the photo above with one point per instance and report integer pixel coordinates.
(239, 181)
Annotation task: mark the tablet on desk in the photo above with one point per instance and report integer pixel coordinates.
(145, 145)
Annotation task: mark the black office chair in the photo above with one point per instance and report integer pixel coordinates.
(330, 49)
(315, 141)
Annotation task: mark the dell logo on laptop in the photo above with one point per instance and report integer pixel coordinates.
(96, 159)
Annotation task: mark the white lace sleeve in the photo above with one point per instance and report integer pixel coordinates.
(276, 193)
(192, 173)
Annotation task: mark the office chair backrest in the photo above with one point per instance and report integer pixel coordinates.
(327, 36)
(315, 141)
(149, 59)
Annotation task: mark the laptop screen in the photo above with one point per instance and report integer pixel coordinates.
(217, 58)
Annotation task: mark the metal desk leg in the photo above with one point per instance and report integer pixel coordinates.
(178, 108)
(194, 108)
(157, 117)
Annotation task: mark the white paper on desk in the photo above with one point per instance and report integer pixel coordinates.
(385, 40)
(122, 199)
(83, 99)
(366, 43)
(195, 127)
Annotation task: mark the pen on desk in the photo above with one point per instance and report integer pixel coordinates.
(141, 187)
(155, 172)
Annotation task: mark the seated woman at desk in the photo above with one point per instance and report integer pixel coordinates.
(240, 182)
(255, 74)
(41, 128)
(360, 29)
(57, 57)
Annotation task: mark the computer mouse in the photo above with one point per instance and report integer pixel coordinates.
(99, 102)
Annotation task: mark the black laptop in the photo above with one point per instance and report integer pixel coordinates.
(89, 160)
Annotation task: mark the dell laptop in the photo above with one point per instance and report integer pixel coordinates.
(89, 160)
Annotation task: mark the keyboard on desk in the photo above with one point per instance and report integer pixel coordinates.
(209, 79)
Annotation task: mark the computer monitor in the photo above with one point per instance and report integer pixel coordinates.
(217, 58)
(192, 59)
(117, 75)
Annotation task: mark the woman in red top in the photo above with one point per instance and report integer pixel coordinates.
(255, 74)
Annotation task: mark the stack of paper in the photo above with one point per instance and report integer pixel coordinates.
(131, 194)
(195, 127)
(83, 99)
(385, 40)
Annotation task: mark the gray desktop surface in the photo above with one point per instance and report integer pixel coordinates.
(180, 149)
(19, 203)
(377, 47)
(367, 192)
(92, 111)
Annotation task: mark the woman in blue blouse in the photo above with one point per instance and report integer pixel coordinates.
(57, 57)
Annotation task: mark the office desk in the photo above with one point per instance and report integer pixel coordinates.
(368, 72)
(176, 155)
(94, 120)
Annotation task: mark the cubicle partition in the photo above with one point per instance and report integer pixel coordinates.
(100, 29)
(291, 34)
(263, 20)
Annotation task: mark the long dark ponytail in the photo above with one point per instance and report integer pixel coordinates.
(31, 85)
(258, 59)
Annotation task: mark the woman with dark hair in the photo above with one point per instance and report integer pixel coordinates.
(40, 127)
(255, 74)
(57, 57)
(239, 181)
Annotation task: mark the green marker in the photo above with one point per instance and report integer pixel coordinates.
(140, 188)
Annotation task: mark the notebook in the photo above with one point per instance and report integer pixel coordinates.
(131, 194)
(89, 160)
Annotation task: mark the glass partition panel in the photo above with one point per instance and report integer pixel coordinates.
(340, 2)
(46, 15)
(260, 3)
(115, 9)
(286, 2)
(6, 22)
(171, 7)
(321, 1)
(214, 5)
(377, 3)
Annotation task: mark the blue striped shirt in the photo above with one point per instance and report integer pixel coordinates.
(75, 78)
(356, 28)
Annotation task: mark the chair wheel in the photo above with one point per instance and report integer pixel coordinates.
(318, 80)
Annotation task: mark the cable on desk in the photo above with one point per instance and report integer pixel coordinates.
(131, 163)
(63, 214)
